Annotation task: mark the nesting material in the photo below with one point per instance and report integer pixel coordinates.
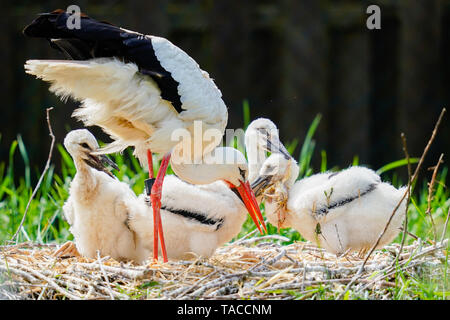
(252, 268)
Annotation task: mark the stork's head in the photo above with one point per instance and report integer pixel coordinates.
(82, 145)
(261, 137)
(235, 174)
(275, 169)
(263, 134)
(226, 164)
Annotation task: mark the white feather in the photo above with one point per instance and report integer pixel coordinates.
(105, 214)
(186, 238)
(97, 207)
(351, 219)
(128, 105)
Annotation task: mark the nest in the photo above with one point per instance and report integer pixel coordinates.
(250, 268)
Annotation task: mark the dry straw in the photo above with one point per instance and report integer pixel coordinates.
(254, 269)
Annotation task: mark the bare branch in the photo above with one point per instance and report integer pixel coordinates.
(416, 173)
(405, 224)
(430, 195)
(445, 226)
(47, 166)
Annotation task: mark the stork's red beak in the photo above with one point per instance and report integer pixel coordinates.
(248, 198)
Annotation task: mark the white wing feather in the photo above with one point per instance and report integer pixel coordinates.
(128, 105)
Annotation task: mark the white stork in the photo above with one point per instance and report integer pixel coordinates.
(261, 136)
(104, 214)
(139, 89)
(98, 205)
(339, 211)
(353, 201)
(197, 219)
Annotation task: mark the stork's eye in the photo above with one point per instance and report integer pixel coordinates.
(242, 172)
(265, 132)
(85, 145)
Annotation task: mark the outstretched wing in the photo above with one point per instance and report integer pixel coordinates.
(96, 39)
(136, 87)
(178, 76)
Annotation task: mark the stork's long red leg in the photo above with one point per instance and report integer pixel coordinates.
(155, 198)
(151, 175)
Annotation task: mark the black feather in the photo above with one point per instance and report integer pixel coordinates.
(197, 216)
(95, 39)
(342, 202)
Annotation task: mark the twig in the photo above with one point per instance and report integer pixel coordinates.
(271, 261)
(104, 275)
(412, 235)
(406, 264)
(405, 223)
(445, 226)
(218, 278)
(229, 278)
(256, 239)
(51, 283)
(179, 293)
(416, 173)
(47, 166)
(248, 235)
(430, 195)
(23, 274)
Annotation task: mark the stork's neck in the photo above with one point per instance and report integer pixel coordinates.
(293, 172)
(220, 164)
(84, 175)
(256, 157)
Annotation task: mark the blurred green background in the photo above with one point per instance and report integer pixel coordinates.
(290, 59)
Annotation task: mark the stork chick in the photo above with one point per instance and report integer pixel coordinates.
(105, 214)
(339, 211)
(98, 206)
(197, 219)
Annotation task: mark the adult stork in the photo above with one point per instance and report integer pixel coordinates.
(140, 89)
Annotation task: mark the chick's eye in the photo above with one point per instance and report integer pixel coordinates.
(85, 145)
(262, 130)
(270, 169)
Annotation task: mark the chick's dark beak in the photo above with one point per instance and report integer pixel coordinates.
(278, 147)
(107, 161)
(100, 163)
(260, 184)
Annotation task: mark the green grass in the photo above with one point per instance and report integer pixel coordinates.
(44, 222)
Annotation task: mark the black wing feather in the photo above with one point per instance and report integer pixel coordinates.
(95, 39)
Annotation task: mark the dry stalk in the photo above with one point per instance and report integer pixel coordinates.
(405, 223)
(416, 173)
(430, 195)
(444, 231)
(234, 272)
(47, 166)
(104, 276)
